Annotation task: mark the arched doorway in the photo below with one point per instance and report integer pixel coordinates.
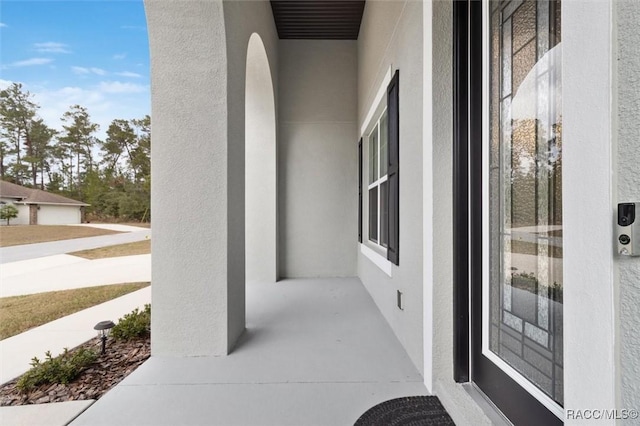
(260, 167)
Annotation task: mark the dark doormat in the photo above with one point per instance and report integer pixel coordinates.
(407, 411)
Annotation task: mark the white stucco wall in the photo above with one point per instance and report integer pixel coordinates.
(23, 215)
(628, 190)
(260, 167)
(588, 206)
(198, 58)
(317, 158)
(391, 37)
(56, 215)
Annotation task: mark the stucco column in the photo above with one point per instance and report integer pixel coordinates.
(193, 313)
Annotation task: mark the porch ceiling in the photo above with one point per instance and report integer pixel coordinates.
(318, 19)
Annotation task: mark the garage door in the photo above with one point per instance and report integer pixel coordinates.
(58, 215)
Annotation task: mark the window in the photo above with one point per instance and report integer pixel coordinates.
(383, 183)
(377, 183)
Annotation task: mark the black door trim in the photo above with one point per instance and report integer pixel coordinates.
(475, 171)
(461, 347)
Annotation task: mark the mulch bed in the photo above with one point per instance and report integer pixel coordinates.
(120, 359)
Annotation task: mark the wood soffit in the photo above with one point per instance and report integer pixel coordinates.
(318, 19)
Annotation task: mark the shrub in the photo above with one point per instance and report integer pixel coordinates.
(8, 212)
(529, 282)
(133, 325)
(59, 370)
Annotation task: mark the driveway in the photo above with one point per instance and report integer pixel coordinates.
(42, 267)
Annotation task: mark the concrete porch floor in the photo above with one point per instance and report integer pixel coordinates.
(316, 352)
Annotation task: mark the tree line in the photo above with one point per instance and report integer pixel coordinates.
(113, 175)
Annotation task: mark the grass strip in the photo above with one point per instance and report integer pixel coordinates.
(21, 313)
(129, 249)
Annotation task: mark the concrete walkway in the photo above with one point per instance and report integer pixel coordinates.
(67, 332)
(64, 272)
(58, 414)
(316, 352)
(32, 251)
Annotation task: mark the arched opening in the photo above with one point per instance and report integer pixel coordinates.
(260, 167)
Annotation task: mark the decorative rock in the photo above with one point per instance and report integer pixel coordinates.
(43, 400)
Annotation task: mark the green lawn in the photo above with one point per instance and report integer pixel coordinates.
(30, 234)
(21, 313)
(130, 249)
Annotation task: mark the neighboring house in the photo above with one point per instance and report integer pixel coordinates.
(38, 207)
(464, 159)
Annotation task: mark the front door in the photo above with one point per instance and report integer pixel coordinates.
(515, 210)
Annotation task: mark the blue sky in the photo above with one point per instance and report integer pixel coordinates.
(88, 52)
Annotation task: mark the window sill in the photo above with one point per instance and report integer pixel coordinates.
(377, 259)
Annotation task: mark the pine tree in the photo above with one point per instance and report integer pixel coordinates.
(17, 112)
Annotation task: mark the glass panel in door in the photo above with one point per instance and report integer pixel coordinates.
(524, 280)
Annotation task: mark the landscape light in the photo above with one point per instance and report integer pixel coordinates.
(103, 328)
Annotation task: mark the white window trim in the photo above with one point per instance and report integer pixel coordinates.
(378, 182)
(380, 261)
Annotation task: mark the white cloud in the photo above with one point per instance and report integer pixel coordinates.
(80, 70)
(119, 87)
(103, 102)
(129, 74)
(3, 25)
(31, 62)
(5, 83)
(119, 56)
(51, 47)
(86, 71)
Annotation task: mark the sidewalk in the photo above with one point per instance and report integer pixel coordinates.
(58, 414)
(32, 251)
(68, 332)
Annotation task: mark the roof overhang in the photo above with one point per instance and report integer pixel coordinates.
(38, 203)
